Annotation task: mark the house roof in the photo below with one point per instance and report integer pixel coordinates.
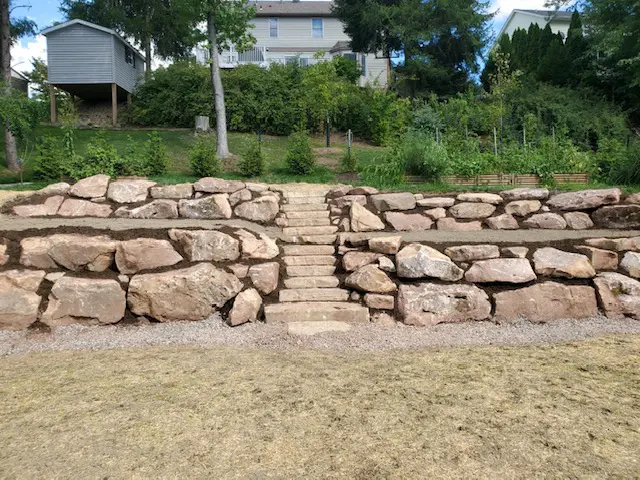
(548, 15)
(16, 74)
(341, 46)
(292, 9)
(76, 21)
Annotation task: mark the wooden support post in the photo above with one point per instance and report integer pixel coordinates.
(114, 103)
(129, 100)
(52, 96)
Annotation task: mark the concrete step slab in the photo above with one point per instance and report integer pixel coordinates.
(310, 260)
(308, 222)
(314, 328)
(308, 214)
(311, 282)
(314, 295)
(306, 200)
(322, 192)
(305, 207)
(316, 312)
(299, 231)
(310, 239)
(297, 250)
(305, 271)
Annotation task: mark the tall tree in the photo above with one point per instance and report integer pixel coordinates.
(9, 32)
(576, 50)
(555, 64)
(440, 42)
(162, 24)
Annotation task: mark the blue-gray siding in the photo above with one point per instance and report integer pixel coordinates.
(82, 55)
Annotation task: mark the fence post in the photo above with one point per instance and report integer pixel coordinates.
(495, 141)
(328, 129)
(349, 140)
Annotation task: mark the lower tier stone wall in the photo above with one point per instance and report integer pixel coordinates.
(89, 276)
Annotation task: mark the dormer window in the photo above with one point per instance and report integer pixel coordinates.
(129, 57)
(317, 28)
(273, 28)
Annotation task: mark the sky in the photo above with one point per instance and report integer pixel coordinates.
(46, 12)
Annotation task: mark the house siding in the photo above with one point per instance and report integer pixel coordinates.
(125, 74)
(525, 20)
(80, 55)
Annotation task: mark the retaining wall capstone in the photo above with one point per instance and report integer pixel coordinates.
(338, 246)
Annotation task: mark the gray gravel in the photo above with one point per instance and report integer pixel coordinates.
(366, 338)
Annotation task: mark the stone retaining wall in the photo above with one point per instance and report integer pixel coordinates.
(98, 278)
(216, 199)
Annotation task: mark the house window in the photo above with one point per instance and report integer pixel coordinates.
(273, 27)
(317, 28)
(129, 57)
(304, 62)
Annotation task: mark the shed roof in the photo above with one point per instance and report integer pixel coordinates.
(76, 21)
(292, 9)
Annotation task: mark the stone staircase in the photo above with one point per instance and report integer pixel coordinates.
(311, 290)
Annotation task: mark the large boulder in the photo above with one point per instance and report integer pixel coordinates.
(616, 244)
(471, 253)
(243, 195)
(386, 245)
(502, 222)
(619, 296)
(552, 262)
(19, 302)
(578, 220)
(362, 220)
(348, 200)
(50, 207)
(585, 199)
(72, 207)
(599, 258)
(90, 187)
(470, 210)
(84, 300)
(214, 207)
(71, 251)
(129, 191)
(352, 261)
(207, 245)
(262, 209)
(408, 222)
(263, 248)
(617, 216)
(525, 194)
(161, 209)
(185, 294)
(246, 308)
(133, 256)
(501, 270)
(370, 279)
(436, 202)
(547, 221)
(217, 185)
(177, 192)
(394, 201)
(522, 208)
(380, 302)
(4, 254)
(420, 261)
(630, 264)
(450, 224)
(490, 198)
(544, 302)
(61, 188)
(430, 304)
(265, 277)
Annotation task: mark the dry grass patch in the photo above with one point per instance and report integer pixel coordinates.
(548, 411)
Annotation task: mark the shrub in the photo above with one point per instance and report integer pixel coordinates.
(155, 157)
(300, 157)
(386, 171)
(99, 157)
(252, 163)
(131, 162)
(627, 171)
(49, 159)
(349, 162)
(203, 159)
(420, 154)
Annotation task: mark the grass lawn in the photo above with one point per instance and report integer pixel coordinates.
(559, 411)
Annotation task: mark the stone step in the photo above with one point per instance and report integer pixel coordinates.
(308, 207)
(314, 295)
(306, 200)
(311, 282)
(310, 260)
(298, 231)
(310, 214)
(310, 239)
(299, 250)
(316, 271)
(322, 192)
(316, 312)
(314, 328)
(308, 222)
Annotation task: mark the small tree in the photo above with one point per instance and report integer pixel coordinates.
(155, 157)
(300, 156)
(204, 162)
(252, 163)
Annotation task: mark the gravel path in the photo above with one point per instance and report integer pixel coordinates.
(361, 337)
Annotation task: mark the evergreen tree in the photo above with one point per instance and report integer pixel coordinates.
(554, 64)
(519, 46)
(576, 50)
(544, 43)
(532, 49)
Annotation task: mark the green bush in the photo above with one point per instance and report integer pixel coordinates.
(627, 170)
(300, 157)
(420, 154)
(349, 163)
(203, 158)
(386, 171)
(99, 158)
(131, 162)
(49, 159)
(155, 158)
(252, 163)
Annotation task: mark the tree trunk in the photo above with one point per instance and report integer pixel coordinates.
(218, 91)
(147, 57)
(10, 148)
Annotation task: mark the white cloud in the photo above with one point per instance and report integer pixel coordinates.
(25, 50)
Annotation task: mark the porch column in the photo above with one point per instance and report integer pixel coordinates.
(52, 97)
(114, 104)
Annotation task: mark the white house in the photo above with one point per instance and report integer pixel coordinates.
(558, 21)
(294, 31)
